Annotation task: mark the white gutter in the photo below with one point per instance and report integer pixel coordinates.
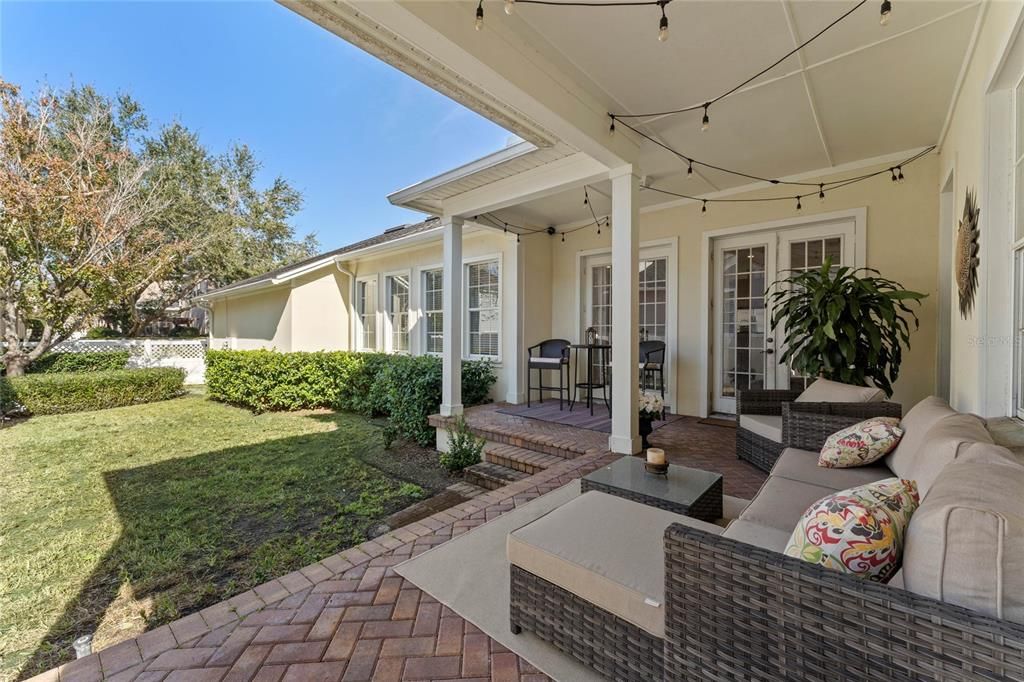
(351, 301)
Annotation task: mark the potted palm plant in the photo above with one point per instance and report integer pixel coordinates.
(847, 325)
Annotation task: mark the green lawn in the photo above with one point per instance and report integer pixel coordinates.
(119, 520)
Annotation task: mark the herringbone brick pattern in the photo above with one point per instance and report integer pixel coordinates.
(350, 617)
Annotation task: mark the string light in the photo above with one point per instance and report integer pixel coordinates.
(895, 171)
(611, 128)
(510, 6)
(663, 24)
(563, 237)
(705, 122)
(689, 166)
(479, 16)
(886, 13)
(899, 174)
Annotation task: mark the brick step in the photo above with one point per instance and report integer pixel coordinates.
(519, 459)
(467, 490)
(492, 476)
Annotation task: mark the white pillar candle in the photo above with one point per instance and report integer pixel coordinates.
(655, 456)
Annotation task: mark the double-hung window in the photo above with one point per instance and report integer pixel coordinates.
(483, 301)
(366, 309)
(433, 311)
(398, 311)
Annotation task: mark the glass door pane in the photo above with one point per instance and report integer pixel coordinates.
(743, 320)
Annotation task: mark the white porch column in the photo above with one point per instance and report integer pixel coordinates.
(625, 436)
(451, 363)
(514, 317)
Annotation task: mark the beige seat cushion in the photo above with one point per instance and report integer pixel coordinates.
(802, 465)
(780, 502)
(826, 391)
(760, 536)
(765, 425)
(607, 550)
(915, 424)
(942, 444)
(965, 544)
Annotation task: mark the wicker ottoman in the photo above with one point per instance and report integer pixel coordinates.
(589, 578)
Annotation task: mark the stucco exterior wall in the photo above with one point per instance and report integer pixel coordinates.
(902, 223)
(319, 311)
(259, 320)
(975, 362)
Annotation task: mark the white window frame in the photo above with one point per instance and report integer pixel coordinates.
(358, 318)
(385, 309)
(466, 263)
(421, 307)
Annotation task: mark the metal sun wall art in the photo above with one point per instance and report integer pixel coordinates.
(967, 255)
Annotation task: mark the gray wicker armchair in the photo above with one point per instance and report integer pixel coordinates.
(762, 449)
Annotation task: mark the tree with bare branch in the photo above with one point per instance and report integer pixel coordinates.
(76, 214)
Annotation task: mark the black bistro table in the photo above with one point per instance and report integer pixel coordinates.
(690, 492)
(601, 350)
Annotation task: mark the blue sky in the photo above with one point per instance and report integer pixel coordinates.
(341, 126)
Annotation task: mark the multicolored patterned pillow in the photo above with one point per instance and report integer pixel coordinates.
(860, 444)
(858, 531)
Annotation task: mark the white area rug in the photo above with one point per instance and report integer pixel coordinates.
(469, 574)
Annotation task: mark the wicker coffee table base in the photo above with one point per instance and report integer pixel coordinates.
(599, 640)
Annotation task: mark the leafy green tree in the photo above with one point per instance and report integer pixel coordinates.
(75, 214)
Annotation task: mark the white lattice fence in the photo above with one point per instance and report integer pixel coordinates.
(187, 354)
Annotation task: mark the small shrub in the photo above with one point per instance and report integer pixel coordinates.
(97, 333)
(60, 393)
(80, 362)
(464, 448)
(477, 379)
(184, 333)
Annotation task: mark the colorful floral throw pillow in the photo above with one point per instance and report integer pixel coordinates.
(861, 444)
(858, 531)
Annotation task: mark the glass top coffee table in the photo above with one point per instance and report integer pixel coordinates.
(691, 492)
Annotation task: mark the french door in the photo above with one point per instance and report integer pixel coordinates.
(654, 292)
(745, 347)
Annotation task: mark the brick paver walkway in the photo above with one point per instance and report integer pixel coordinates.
(351, 617)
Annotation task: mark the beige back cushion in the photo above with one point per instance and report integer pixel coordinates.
(916, 424)
(943, 444)
(825, 391)
(965, 543)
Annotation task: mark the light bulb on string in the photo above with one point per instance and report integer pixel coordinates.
(885, 13)
(798, 205)
(705, 122)
(689, 166)
(893, 171)
(663, 24)
(899, 175)
(479, 24)
(821, 192)
(517, 237)
(704, 206)
(505, 229)
(563, 237)
(611, 128)
(510, 7)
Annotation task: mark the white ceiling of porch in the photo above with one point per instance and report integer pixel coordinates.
(860, 91)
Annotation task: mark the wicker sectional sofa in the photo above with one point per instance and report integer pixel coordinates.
(640, 593)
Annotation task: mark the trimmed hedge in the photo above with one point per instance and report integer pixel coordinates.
(80, 362)
(405, 388)
(60, 393)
